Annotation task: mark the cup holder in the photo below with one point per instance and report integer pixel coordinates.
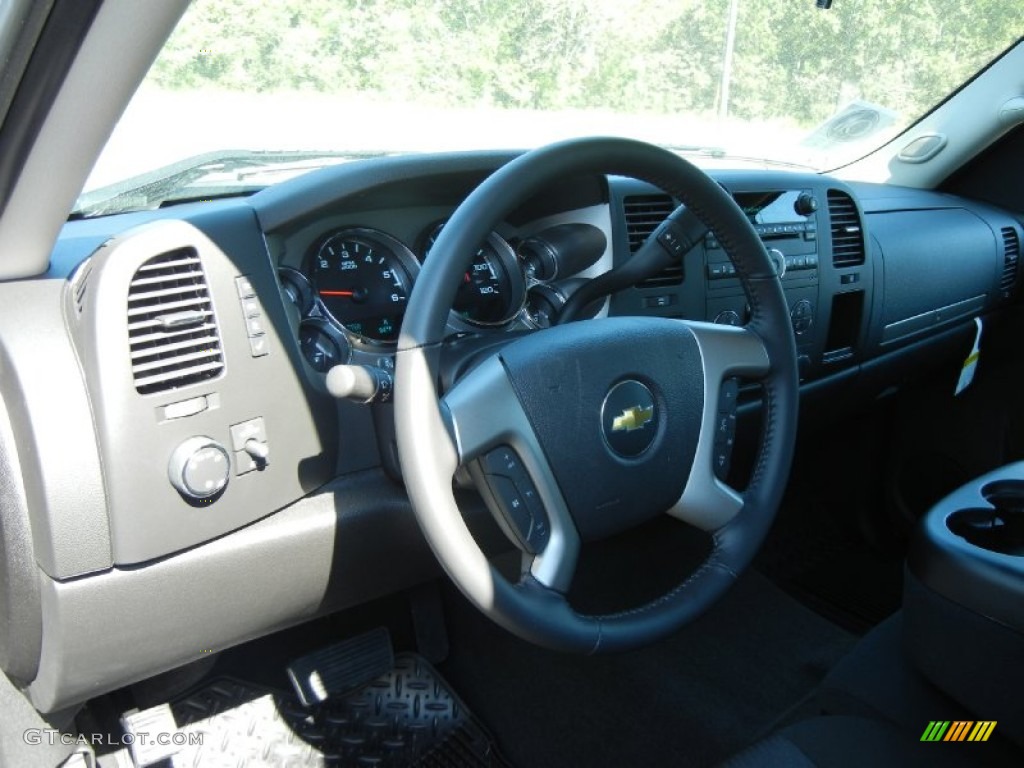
(999, 528)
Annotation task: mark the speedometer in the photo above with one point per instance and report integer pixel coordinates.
(493, 290)
(363, 278)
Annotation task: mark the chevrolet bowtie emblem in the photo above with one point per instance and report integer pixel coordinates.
(633, 418)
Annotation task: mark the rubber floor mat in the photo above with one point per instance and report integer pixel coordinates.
(407, 717)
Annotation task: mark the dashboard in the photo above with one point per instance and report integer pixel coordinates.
(189, 348)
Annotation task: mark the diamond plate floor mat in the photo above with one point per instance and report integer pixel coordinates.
(407, 717)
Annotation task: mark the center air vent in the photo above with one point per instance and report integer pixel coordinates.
(1011, 260)
(643, 215)
(847, 233)
(172, 330)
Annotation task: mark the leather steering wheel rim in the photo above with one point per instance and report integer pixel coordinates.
(436, 435)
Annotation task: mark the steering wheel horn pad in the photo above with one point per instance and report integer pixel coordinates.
(565, 376)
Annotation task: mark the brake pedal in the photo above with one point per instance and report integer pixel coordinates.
(341, 668)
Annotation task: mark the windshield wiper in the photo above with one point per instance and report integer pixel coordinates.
(720, 153)
(225, 173)
(696, 149)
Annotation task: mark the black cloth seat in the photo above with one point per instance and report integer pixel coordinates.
(877, 705)
(877, 681)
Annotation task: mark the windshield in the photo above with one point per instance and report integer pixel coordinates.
(250, 92)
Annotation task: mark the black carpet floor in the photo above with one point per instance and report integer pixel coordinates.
(691, 700)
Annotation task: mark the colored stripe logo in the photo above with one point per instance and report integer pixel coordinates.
(959, 730)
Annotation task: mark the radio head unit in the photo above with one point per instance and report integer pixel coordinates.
(780, 214)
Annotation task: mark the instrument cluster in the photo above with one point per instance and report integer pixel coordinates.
(354, 284)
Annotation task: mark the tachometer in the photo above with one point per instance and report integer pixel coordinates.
(363, 278)
(493, 290)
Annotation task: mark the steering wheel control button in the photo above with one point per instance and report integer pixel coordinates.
(513, 509)
(199, 468)
(728, 395)
(504, 461)
(537, 536)
(725, 427)
(629, 419)
(516, 497)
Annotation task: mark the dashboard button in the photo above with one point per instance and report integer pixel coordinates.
(251, 307)
(185, 408)
(244, 463)
(199, 468)
(718, 271)
(254, 429)
(654, 302)
(254, 326)
(244, 287)
(728, 317)
(258, 346)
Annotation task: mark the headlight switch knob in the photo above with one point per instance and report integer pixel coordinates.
(199, 469)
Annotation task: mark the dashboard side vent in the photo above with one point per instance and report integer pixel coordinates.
(1011, 260)
(172, 330)
(643, 215)
(81, 288)
(847, 232)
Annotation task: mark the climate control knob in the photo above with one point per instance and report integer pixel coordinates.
(199, 468)
(805, 204)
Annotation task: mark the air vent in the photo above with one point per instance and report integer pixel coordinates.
(643, 215)
(172, 330)
(847, 233)
(1011, 260)
(81, 288)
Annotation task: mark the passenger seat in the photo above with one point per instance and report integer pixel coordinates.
(876, 707)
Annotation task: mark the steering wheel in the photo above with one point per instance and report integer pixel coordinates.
(583, 430)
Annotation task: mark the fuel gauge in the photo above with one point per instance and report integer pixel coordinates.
(323, 345)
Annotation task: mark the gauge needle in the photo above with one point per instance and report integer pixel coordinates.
(337, 293)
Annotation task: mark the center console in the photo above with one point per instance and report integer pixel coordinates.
(787, 223)
(964, 598)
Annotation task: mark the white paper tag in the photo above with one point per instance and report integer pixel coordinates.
(971, 363)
